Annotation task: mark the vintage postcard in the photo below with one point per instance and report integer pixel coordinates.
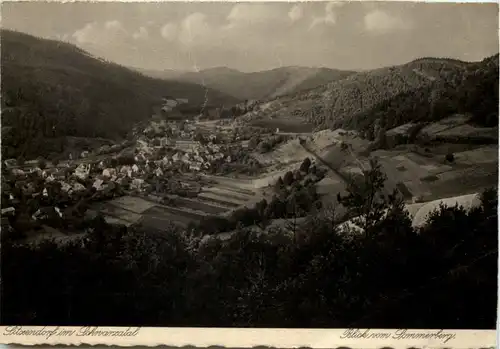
(239, 174)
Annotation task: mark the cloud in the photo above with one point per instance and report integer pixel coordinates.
(170, 31)
(329, 17)
(295, 13)
(381, 22)
(193, 28)
(248, 14)
(141, 34)
(94, 33)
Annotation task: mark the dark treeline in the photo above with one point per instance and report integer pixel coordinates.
(319, 275)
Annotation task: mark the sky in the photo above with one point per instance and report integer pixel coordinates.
(264, 35)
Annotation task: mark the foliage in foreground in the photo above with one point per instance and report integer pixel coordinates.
(390, 275)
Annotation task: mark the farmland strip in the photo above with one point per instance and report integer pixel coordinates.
(199, 206)
(223, 198)
(226, 193)
(167, 210)
(229, 205)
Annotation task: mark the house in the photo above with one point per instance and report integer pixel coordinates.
(182, 100)
(82, 171)
(8, 211)
(50, 178)
(17, 172)
(137, 183)
(185, 158)
(109, 172)
(44, 213)
(125, 170)
(78, 186)
(228, 159)
(45, 192)
(84, 154)
(176, 157)
(135, 168)
(98, 184)
(196, 166)
(65, 187)
(140, 157)
(38, 170)
(142, 143)
(58, 211)
(159, 172)
(164, 141)
(10, 162)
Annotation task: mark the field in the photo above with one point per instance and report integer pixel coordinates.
(217, 198)
(431, 177)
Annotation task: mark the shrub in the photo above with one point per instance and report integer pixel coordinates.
(42, 163)
(450, 157)
(288, 179)
(304, 167)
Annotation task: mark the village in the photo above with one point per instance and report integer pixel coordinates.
(166, 166)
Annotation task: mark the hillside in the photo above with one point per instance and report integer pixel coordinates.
(473, 91)
(263, 84)
(51, 90)
(395, 95)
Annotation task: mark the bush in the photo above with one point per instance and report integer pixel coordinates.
(304, 167)
(288, 179)
(42, 163)
(264, 147)
(450, 157)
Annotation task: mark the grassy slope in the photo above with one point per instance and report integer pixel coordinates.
(52, 89)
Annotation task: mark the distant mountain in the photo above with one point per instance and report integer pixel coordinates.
(52, 89)
(428, 87)
(263, 84)
(166, 74)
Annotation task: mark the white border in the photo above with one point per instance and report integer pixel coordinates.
(248, 338)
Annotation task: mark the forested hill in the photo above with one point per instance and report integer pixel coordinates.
(354, 102)
(52, 89)
(471, 91)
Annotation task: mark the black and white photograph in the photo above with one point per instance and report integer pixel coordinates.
(249, 164)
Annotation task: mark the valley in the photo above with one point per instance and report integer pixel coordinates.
(260, 166)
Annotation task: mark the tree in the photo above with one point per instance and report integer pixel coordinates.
(298, 176)
(113, 162)
(366, 198)
(450, 157)
(313, 169)
(42, 163)
(253, 142)
(264, 146)
(304, 167)
(20, 160)
(288, 179)
(279, 184)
